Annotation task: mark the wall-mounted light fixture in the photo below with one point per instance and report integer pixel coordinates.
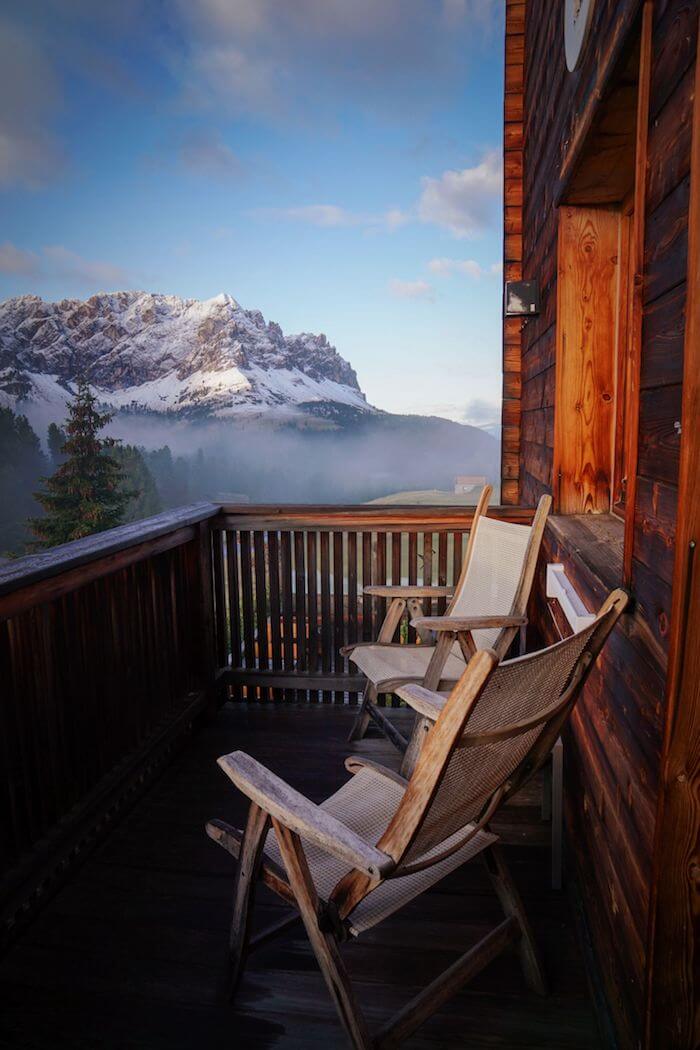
(522, 299)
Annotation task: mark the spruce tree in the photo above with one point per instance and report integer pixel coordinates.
(85, 494)
(22, 465)
(56, 439)
(144, 499)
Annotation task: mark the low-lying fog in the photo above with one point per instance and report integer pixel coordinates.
(374, 457)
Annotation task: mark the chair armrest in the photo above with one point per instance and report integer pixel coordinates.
(408, 591)
(422, 700)
(302, 816)
(356, 763)
(457, 624)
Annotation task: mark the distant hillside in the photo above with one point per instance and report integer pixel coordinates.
(428, 498)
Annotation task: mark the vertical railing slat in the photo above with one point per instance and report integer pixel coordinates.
(219, 599)
(412, 575)
(273, 560)
(312, 599)
(339, 661)
(442, 570)
(287, 601)
(234, 598)
(457, 557)
(326, 624)
(380, 577)
(352, 598)
(300, 608)
(262, 630)
(367, 635)
(247, 604)
(428, 569)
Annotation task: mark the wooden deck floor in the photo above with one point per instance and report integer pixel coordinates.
(131, 952)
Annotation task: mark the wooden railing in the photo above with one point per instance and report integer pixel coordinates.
(289, 588)
(105, 657)
(112, 646)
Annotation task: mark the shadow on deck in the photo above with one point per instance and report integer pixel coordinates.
(131, 953)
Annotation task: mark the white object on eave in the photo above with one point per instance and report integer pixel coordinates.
(559, 586)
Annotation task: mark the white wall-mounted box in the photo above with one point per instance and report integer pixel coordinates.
(559, 586)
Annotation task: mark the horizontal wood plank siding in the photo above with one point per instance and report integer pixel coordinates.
(615, 740)
(512, 246)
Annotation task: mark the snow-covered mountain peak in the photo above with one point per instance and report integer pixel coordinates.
(160, 353)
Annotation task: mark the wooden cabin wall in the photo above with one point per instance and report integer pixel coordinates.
(512, 245)
(616, 738)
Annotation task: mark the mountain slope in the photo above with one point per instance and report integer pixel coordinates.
(166, 355)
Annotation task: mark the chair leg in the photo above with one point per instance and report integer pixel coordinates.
(359, 726)
(323, 943)
(247, 871)
(512, 905)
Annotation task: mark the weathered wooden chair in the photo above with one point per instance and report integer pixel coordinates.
(380, 841)
(487, 609)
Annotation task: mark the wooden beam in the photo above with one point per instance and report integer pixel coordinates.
(305, 681)
(634, 361)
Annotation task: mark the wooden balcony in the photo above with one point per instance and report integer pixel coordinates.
(118, 654)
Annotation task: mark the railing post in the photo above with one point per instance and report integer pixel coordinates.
(205, 602)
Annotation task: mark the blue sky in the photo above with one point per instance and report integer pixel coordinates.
(334, 164)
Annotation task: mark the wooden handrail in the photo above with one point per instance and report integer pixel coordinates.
(48, 574)
(359, 517)
(33, 567)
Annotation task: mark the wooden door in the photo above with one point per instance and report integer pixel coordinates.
(587, 316)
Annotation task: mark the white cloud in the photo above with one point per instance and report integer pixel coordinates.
(463, 202)
(334, 216)
(15, 260)
(64, 263)
(411, 289)
(56, 262)
(206, 153)
(469, 267)
(322, 215)
(481, 413)
(394, 218)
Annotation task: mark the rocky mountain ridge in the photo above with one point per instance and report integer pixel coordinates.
(145, 352)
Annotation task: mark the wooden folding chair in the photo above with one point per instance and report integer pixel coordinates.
(488, 607)
(381, 841)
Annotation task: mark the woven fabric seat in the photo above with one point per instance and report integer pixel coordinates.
(385, 663)
(366, 803)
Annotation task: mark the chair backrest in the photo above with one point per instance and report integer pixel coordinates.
(496, 729)
(498, 571)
